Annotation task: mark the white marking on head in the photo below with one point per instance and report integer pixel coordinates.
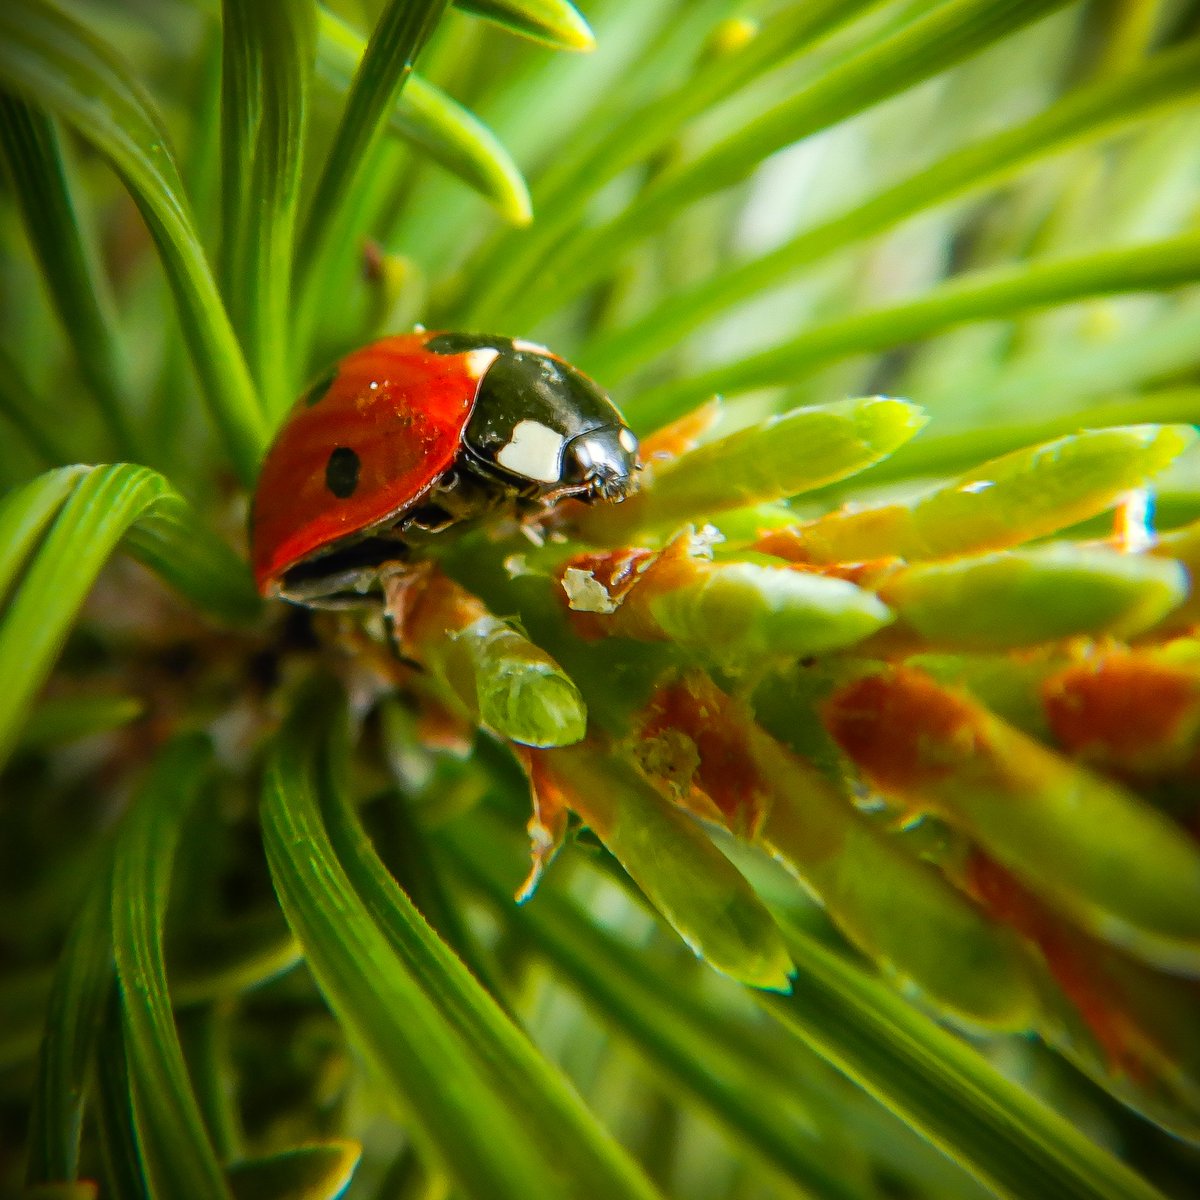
(479, 360)
(628, 440)
(534, 452)
(529, 347)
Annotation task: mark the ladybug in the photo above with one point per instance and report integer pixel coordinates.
(416, 433)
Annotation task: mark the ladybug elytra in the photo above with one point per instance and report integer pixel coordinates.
(416, 433)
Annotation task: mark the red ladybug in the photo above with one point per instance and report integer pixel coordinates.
(413, 434)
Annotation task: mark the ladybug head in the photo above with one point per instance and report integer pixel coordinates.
(603, 461)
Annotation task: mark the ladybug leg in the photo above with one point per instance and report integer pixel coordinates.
(395, 643)
(459, 495)
(568, 491)
(403, 584)
(438, 511)
(543, 516)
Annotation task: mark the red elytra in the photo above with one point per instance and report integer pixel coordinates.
(398, 415)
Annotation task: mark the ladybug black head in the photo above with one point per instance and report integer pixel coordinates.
(605, 461)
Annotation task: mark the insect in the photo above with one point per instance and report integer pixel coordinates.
(417, 433)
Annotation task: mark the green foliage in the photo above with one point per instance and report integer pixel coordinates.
(173, 1145)
(497, 1120)
(783, 456)
(80, 294)
(862, 834)
(87, 512)
(267, 59)
(49, 55)
(433, 122)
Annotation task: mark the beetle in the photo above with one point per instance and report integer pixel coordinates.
(414, 434)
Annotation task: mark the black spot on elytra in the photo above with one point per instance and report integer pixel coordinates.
(316, 393)
(341, 472)
(460, 343)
